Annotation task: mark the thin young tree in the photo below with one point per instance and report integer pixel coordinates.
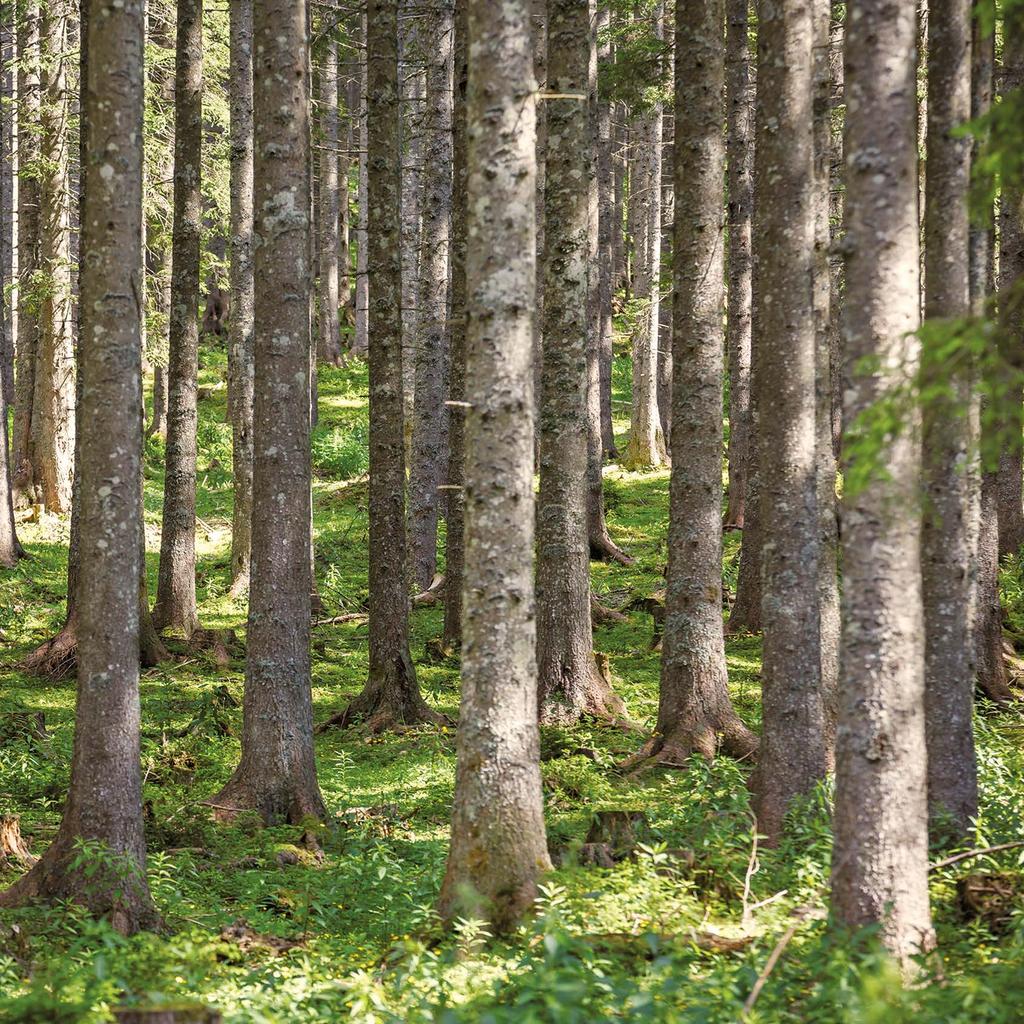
(329, 337)
(947, 542)
(104, 803)
(176, 582)
(391, 696)
(360, 339)
(277, 773)
(569, 682)
(427, 466)
(792, 757)
(240, 325)
(1010, 474)
(10, 549)
(646, 446)
(454, 538)
(880, 856)
(606, 232)
(27, 341)
(739, 98)
(498, 846)
(695, 714)
(53, 404)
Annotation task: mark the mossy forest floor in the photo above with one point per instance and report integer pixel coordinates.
(680, 931)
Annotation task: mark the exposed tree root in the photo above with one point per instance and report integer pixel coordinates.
(603, 615)
(56, 657)
(730, 737)
(604, 549)
(239, 586)
(275, 799)
(592, 698)
(115, 891)
(389, 701)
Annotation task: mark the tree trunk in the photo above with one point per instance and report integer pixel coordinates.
(539, 42)
(53, 406)
(104, 805)
(29, 103)
(694, 711)
(411, 60)
(329, 341)
(646, 447)
(569, 683)
(10, 549)
(740, 185)
(176, 585)
(620, 147)
(793, 735)
(606, 257)
(240, 326)
(947, 549)
(665, 228)
(880, 858)
(360, 341)
(8, 192)
(992, 675)
(277, 773)
(391, 696)
(498, 848)
(829, 618)
(454, 534)
(1011, 267)
(426, 471)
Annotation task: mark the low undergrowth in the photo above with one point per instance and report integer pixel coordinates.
(261, 926)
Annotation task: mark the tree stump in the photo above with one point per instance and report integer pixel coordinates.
(12, 845)
(616, 831)
(190, 1013)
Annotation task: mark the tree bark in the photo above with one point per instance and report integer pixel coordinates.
(454, 534)
(176, 584)
(104, 805)
(329, 340)
(694, 711)
(646, 447)
(29, 103)
(793, 735)
(360, 341)
(947, 547)
(391, 696)
(240, 325)
(740, 185)
(498, 848)
(992, 675)
(277, 773)
(880, 858)
(8, 193)
(569, 683)
(10, 549)
(606, 215)
(53, 405)
(426, 472)
(1011, 267)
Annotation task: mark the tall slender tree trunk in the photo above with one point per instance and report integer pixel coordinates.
(646, 447)
(391, 696)
(104, 802)
(454, 534)
(176, 585)
(539, 39)
(694, 711)
(29, 103)
(992, 675)
(498, 848)
(10, 549)
(240, 325)
(329, 340)
(740, 185)
(569, 682)
(360, 341)
(947, 548)
(793, 736)
(8, 194)
(880, 858)
(620, 148)
(426, 471)
(1011, 268)
(606, 216)
(665, 303)
(277, 773)
(829, 618)
(53, 405)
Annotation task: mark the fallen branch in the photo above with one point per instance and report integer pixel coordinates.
(969, 854)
